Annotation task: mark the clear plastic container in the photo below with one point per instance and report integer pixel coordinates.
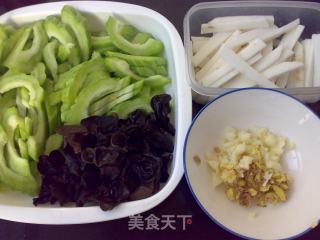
(283, 11)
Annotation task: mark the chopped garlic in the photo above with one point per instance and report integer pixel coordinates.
(267, 176)
(245, 162)
(248, 163)
(244, 136)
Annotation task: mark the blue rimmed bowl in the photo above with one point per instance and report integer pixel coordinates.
(283, 115)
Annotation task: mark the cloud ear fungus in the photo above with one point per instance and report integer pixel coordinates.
(106, 160)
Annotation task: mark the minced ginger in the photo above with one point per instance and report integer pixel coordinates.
(248, 164)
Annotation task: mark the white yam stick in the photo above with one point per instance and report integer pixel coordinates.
(238, 63)
(238, 24)
(252, 49)
(199, 38)
(268, 60)
(281, 68)
(234, 42)
(270, 19)
(298, 53)
(285, 55)
(235, 72)
(316, 56)
(268, 49)
(246, 37)
(205, 68)
(282, 80)
(291, 38)
(280, 31)
(296, 78)
(209, 47)
(205, 29)
(241, 81)
(308, 62)
(197, 43)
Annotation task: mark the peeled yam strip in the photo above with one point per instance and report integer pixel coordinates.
(270, 19)
(268, 60)
(281, 68)
(316, 53)
(197, 43)
(296, 78)
(282, 80)
(275, 33)
(290, 39)
(252, 49)
(210, 46)
(238, 24)
(235, 72)
(247, 37)
(238, 63)
(208, 65)
(241, 81)
(308, 62)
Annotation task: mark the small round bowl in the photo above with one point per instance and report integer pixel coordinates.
(283, 115)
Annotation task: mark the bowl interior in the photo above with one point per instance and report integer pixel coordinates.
(282, 115)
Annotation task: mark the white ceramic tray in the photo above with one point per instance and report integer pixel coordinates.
(18, 207)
